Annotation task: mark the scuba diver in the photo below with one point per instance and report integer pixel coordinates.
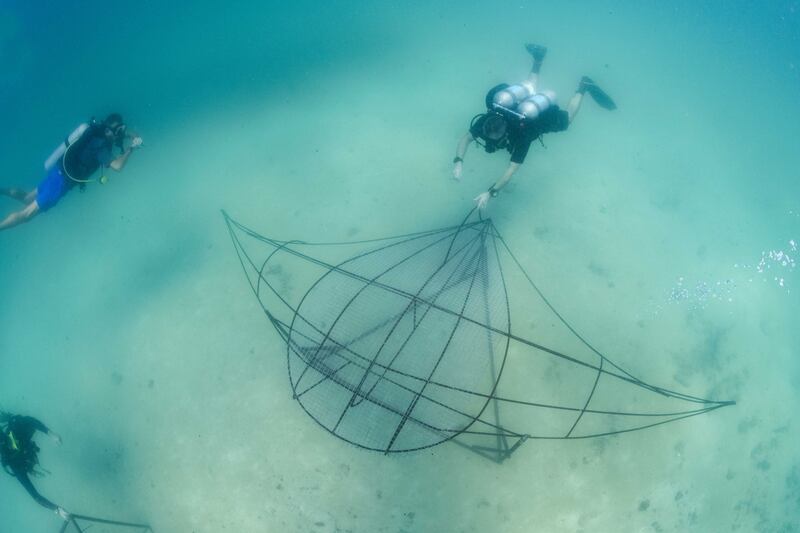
(519, 114)
(19, 454)
(86, 150)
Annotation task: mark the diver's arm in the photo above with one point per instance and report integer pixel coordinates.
(41, 500)
(119, 163)
(482, 199)
(33, 423)
(510, 171)
(463, 144)
(38, 425)
(461, 151)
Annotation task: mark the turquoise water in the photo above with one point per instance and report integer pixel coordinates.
(657, 229)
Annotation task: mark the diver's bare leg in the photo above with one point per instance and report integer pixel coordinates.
(575, 104)
(537, 52)
(19, 194)
(21, 216)
(533, 79)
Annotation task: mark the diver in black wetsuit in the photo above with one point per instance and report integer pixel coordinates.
(519, 114)
(19, 454)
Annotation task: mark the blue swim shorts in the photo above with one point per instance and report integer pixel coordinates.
(52, 188)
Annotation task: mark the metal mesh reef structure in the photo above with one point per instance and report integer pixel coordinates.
(81, 524)
(402, 343)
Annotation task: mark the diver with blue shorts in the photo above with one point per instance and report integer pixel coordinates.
(86, 150)
(519, 114)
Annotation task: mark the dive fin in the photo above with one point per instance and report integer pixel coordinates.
(537, 51)
(597, 94)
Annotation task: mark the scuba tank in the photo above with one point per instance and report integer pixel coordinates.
(512, 95)
(533, 106)
(522, 101)
(75, 169)
(58, 153)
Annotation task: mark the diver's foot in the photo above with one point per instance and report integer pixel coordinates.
(13, 193)
(587, 85)
(584, 83)
(537, 51)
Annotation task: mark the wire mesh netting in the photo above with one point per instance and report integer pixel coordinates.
(401, 343)
(81, 524)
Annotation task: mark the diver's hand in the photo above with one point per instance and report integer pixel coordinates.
(458, 168)
(65, 516)
(136, 142)
(56, 437)
(482, 199)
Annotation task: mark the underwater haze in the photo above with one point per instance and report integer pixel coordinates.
(666, 231)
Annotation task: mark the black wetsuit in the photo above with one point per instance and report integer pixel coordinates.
(19, 453)
(87, 154)
(521, 133)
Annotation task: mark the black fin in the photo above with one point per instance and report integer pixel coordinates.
(598, 95)
(537, 51)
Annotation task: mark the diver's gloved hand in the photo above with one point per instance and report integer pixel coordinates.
(458, 168)
(65, 516)
(482, 199)
(136, 142)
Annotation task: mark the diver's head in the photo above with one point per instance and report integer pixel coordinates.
(494, 127)
(494, 132)
(114, 127)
